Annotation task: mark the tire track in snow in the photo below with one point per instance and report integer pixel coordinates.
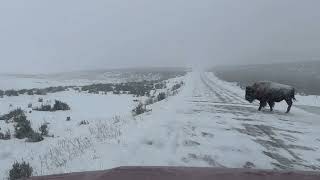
(227, 93)
(217, 94)
(209, 128)
(215, 89)
(230, 102)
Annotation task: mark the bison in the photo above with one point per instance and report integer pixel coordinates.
(270, 92)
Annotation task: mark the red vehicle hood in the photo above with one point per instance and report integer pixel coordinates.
(185, 173)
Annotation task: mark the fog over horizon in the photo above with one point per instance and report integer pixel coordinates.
(42, 36)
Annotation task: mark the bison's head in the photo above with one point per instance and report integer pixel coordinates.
(250, 94)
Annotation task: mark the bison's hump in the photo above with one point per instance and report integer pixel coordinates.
(273, 85)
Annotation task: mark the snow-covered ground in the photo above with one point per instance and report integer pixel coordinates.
(18, 81)
(208, 123)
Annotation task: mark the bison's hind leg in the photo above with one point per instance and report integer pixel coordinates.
(271, 104)
(262, 105)
(289, 102)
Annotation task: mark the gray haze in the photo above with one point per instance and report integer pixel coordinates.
(62, 35)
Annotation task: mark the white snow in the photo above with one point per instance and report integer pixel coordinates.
(208, 123)
(16, 81)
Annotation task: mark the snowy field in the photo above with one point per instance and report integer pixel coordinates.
(208, 123)
(21, 81)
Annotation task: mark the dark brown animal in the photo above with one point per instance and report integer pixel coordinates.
(270, 92)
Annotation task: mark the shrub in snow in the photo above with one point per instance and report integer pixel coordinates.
(20, 171)
(161, 96)
(11, 93)
(161, 85)
(5, 136)
(44, 130)
(56, 89)
(148, 94)
(149, 101)
(68, 118)
(22, 91)
(40, 92)
(106, 130)
(30, 92)
(60, 106)
(65, 149)
(142, 88)
(34, 137)
(176, 86)
(1, 135)
(12, 114)
(40, 100)
(136, 88)
(141, 108)
(22, 127)
(30, 105)
(43, 107)
(1, 93)
(96, 88)
(116, 92)
(93, 91)
(84, 122)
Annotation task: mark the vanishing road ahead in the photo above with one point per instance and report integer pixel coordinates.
(210, 124)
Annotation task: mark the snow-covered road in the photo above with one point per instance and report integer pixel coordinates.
(210, 124)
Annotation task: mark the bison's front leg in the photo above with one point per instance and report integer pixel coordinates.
(271, 104)
(289, 102)
(262, 104)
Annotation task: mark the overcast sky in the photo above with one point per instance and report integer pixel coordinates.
(64, 35)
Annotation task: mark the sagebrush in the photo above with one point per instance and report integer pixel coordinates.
(20, 171)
